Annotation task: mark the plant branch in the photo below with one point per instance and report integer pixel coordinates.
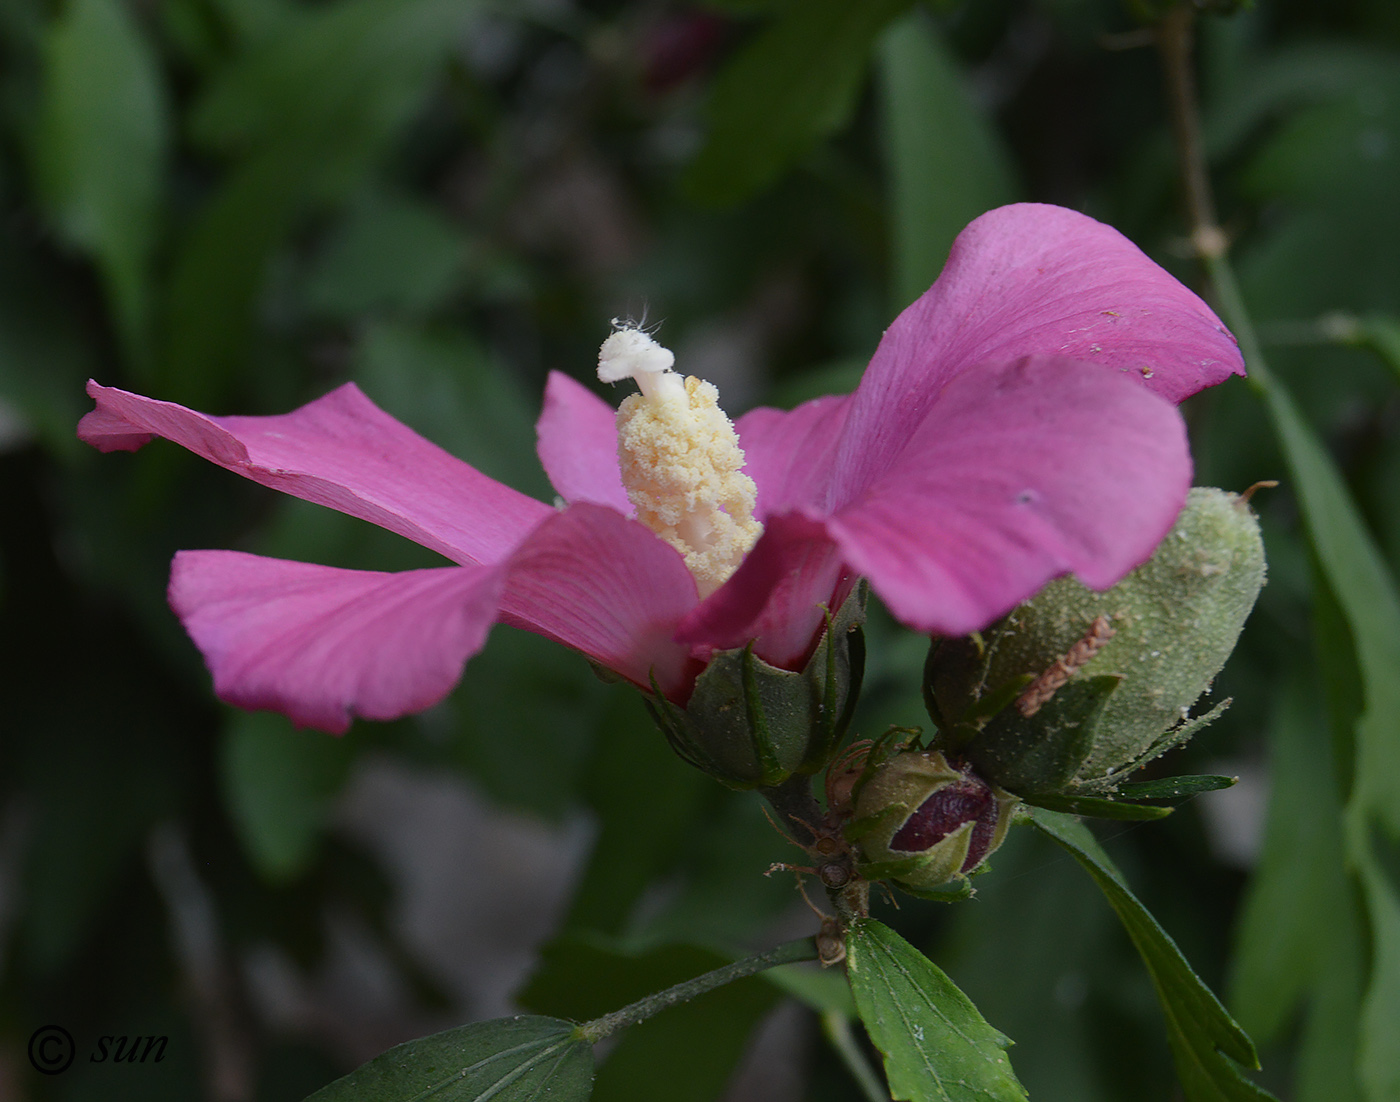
(1175, 40)
(804, 948)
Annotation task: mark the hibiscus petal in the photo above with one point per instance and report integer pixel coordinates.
(577, 433)
(321, 644)
(605, 585)
(1020, 472)
(342, 451)
(779, 595)
(787, 453)
(1032, 279)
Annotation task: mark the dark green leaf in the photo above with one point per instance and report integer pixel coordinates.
(794, 83)
(937, 1047)
(517, 1059)
(946, 162)
(632, 779)
(1174, 788)
(1099, 807)
(1204, 1038)
(1367, 596)
(279, 783)
(101, 150)
(392, 252)
(1278, 944)
(308, 112)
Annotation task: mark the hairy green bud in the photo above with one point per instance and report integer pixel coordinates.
(1075, 688)
(921, 822)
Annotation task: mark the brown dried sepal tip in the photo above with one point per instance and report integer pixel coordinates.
(831, 942)
(1039, 691)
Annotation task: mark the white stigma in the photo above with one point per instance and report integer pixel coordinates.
(632, 354)
(680, 459)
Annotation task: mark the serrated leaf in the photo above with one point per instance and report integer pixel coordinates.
(793, 83)
(946, 162)
(520, 1059)
(101, 150)
(937, 1047)
(1204, 1038)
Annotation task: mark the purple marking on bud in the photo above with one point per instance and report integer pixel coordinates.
(966, 800)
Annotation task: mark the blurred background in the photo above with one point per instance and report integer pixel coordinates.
(240, 204)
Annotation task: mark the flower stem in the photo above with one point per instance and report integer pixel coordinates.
(804, 948)
(1175, 38)
(797, 808)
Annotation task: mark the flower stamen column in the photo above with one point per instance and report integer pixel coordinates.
(680, 459)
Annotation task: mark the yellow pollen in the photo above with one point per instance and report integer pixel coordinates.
(681, 462)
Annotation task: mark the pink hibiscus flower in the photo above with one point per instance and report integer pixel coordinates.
(1016, 423)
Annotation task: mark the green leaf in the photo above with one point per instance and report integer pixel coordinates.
(101, 150)
(795, 82)
(391, 252)
(1278, 945)
(685, 1054)
(645, 806)
(1366, 593)
(1174, 788)
(1100, 807)
(937, 1047)
(518, 1059)
(946, 163)
(1204, 1038)
(279, 783)
(306, 113)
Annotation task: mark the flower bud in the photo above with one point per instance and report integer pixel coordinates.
(921, 823)
(1075, 688)
(751, 725)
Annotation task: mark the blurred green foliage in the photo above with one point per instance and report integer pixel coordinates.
(238, 204)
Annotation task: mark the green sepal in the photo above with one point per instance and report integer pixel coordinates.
(749, 724)
(1099, 807)
(1174, 788)
(963, 891)
(1042, 752)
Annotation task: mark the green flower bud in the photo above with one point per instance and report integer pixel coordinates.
(920, 822)
(752, 725)
(1075, 688)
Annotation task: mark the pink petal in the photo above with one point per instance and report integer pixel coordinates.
(607, 586)
(1020, 472)
(578, 444)
(787, 454)
(1026, 280)
(320, 644)
(778, 596)
(342, 451)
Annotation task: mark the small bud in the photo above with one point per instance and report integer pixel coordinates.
(752, 725)
(1075, 688)
(921, 823)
